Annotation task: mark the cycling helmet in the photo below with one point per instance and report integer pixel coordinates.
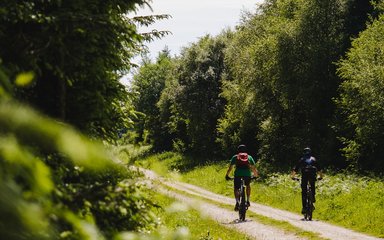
(307, 151)
(242, 148)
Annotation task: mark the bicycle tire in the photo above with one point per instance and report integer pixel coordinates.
(309, 207)
(242, 207)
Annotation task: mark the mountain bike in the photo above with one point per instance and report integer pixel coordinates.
(243, 206)
(308, 208)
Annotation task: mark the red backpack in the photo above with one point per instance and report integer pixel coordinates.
(242, 160)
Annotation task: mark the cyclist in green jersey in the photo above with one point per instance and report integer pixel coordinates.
(244, 167)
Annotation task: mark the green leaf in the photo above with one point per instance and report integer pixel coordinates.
(24, 79)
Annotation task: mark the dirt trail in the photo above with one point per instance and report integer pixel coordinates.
(252, 228)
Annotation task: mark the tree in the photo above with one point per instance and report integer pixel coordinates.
(148, 84)
(283, 79)
(199, 73)
(78, 51)
(361, 101)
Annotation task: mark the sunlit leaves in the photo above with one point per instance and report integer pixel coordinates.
(148, 86)
(281, 64)
(199, 76)
(28, 126)
(24, 79)
(362, 98)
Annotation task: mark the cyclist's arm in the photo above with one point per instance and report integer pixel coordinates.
(229, 169)
(254, 171)
(319, 170)
(296, 168)
(294, 171)
(252, 166)
(232, 163)
(320, 174)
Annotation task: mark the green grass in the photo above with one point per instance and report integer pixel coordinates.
(130, 153)
(344, 199)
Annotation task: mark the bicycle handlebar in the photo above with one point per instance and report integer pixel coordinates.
(231, 178)
(298, 179)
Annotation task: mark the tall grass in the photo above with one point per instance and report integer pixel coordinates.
(344, 199)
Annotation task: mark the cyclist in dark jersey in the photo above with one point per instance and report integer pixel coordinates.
(242, 169)
(309, 169)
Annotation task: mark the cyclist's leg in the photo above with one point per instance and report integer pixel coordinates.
(236, 187)
(312, 181)
(247, 181)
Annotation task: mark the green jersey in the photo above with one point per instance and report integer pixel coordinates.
(243, 172)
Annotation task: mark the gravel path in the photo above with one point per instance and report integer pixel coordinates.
(228, 218)
(252, 228)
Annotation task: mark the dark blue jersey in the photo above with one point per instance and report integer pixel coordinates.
(306, 164)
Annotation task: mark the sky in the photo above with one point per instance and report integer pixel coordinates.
(192, 19)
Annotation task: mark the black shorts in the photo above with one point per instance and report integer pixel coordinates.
(237, 181)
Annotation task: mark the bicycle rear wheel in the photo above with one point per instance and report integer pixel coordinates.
(309, 207)
(243, 206)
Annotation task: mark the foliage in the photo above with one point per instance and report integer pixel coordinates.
(171, 115)
(78, 50)
(360, 100)
(57, 184)
(197, 101)
(147, 85)
(282, 80)
(180, 97)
